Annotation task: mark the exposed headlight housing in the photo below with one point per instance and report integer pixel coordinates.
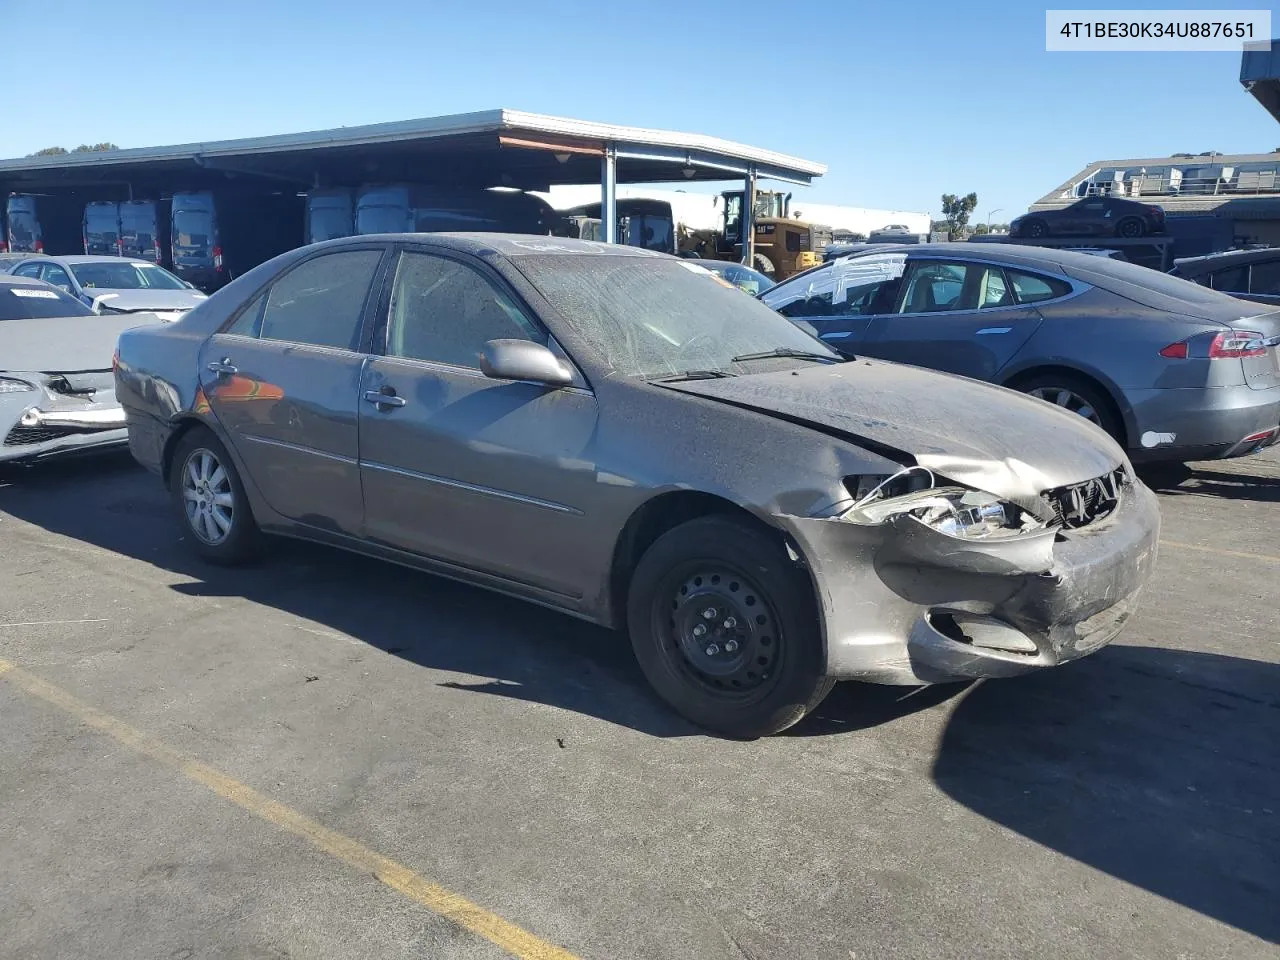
(952, 511)
(9, 385)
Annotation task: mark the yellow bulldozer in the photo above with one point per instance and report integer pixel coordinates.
(782, 246)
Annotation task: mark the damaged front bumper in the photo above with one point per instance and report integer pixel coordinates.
(106, 418)
(902, 603)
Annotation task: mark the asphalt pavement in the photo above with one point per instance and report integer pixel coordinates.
(327, 756)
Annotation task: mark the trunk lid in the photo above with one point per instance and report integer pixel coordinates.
(1262, 373)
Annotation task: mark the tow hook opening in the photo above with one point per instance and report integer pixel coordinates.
(984, 632)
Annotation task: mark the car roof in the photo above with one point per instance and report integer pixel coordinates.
(504, 244)
(1039, 258)
(75, 258)
(9, 280)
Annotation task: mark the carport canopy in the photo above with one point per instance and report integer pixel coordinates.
(492, 148)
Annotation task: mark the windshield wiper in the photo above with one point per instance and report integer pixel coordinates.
(787, 352)
(694, 375)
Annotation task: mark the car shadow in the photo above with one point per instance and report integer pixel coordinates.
(523, 651)
(1159, 767)
(1220, 484)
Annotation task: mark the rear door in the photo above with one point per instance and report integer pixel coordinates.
(957, 316)
(837, 302)
(283, 380)
(491, 475)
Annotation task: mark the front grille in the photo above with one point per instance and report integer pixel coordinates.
(1081, 504)
(24, 436)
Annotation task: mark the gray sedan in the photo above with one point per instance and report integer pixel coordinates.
(114, 284)
(1173, 371)
(613, 433)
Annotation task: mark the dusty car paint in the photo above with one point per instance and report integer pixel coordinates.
(71, 405)
(543, 493)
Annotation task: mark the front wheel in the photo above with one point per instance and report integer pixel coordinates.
(763, 264)
(725, 627)
(1035, 228)
(211, 500)
(1131, 227)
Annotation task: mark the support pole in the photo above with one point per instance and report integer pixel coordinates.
(749, 219)
(609, 193)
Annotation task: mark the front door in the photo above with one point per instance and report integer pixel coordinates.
(954, 316)
(284, 382)
(838, 301)
(487, 474)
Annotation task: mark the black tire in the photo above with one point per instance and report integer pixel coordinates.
(1131, 227)
(1035, 229)
(764, 265)
(242, 540)
(1093, 395)
(775, 674)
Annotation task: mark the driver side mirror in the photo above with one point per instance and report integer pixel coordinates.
(523, 360)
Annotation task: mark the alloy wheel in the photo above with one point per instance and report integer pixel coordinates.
(1069, 400)
(207, 497)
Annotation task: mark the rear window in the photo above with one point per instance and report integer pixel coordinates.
(1033, 288)
(36, 301)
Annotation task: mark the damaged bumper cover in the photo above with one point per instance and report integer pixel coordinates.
(104, 418)
(902, 603)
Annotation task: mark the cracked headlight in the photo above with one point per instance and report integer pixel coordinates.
(9, 385)
(953, 511)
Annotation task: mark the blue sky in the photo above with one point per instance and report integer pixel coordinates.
(902, 100)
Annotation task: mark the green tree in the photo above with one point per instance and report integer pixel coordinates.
(95, 148)
(49, 152)
(956, 211)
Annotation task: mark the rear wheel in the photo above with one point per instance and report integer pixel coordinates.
(1079, 396)
(764, 265)
(211, 500)
(1131, 227)
(725, 628)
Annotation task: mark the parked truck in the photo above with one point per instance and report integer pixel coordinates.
(783, 245)
(216, 235)
(43, 223)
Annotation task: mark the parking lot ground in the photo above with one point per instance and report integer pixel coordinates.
(198, 762)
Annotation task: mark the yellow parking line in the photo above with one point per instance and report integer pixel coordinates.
(511, 938)
(1267, 558)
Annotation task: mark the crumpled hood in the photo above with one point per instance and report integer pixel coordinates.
(146, 299)
(64, 344)
(989, 438)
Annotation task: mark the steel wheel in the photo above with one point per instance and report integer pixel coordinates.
(207, 496)
(720, 630)
(1070, 400)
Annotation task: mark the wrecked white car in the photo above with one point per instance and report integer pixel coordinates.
(57, 394)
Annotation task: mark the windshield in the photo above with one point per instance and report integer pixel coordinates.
(657, 317)
(192, 229)
(29, 302)
(651, 232)
(124, 275)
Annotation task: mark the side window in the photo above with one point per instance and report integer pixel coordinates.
(57, 276)
(1032, 288)
(247, 324)
(933, 286)
(27, 270)
(806, 296)
(1264, 277)
(993, 291)
(321, 301)
(1232, 279)
(445, 311)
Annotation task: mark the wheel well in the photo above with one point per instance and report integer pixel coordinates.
(654, 518)
(180, 430)
(1070, 373)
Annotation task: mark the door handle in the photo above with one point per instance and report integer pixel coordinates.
(223, 367)
(380, 399)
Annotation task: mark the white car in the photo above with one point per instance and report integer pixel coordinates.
(114, 284)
